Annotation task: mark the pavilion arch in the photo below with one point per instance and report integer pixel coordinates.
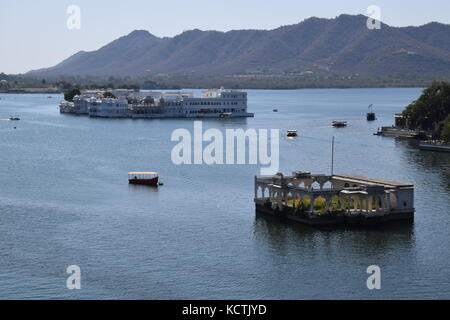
(275, 195)
(298, 201)
(356, 203)
(320, 204)
(375, 203)
(328, 185)
(259, 193)
(306, 201)
(316, 185)
(335, 203)
(289, 199)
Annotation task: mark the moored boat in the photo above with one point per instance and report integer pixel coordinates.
(434, 146)
(339, 124)
(143, 178)
(225, 115)
(14, 118)
(371, 115)
(292, 133)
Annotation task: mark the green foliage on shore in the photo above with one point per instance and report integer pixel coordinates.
(432, 110)
(233, 81)
(108, 94)
(70, 93)
(445, 129)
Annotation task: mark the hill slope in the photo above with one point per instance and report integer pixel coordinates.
(340, 45)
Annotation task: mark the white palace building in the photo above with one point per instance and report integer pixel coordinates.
(214, 103)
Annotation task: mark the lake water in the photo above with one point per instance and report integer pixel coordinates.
(65, 200)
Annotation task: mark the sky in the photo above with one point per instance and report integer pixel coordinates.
(34, 34)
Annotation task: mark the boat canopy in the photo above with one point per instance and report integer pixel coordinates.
(142, 172)
(143, 175)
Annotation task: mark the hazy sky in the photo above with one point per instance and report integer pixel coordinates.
(34, 34)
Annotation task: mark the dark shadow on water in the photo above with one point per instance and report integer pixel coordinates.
(426, 161)
(142, 188)
(281, 232)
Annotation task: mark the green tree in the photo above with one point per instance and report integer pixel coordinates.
(431, 108)
(109, 94)
(70, 93)
(445, 129)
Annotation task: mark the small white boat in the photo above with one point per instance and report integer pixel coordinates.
(14, 118)
(225, 115)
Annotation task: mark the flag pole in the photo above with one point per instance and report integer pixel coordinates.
(332, 156)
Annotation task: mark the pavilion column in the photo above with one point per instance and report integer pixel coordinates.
(367, 203)
(349, 202)
(328, 203)
(388, 201)
(311, 207)
(280, 200)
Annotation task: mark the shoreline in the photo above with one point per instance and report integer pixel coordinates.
(20, 91)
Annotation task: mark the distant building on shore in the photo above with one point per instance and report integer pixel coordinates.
(131, 104)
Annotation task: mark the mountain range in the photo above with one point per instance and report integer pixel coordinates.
(343, 45)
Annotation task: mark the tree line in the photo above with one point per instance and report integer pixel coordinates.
(431, 112)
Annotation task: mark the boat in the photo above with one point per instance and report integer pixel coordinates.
(14, 118)
(275, 110)
(143, 178)
(371, 115)
(339, 124)
(225, 115)
(434, 146)
(292, 133)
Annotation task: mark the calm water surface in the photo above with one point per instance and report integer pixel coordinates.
(64, 199)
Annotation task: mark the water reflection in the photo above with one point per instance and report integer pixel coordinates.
(437, 163)
(281, 234)
(142, 188)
